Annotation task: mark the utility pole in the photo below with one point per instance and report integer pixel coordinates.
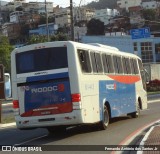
(72, 22)
(47, 21)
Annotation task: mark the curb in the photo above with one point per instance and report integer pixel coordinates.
(134, 134)
(2, 126)
(144, 139)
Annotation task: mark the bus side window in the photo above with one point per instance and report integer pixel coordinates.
(124, 65)
(127, 62)
(132, 66)
(93, 61)
(135, 66)
(84, 61)
(107, 63)
(118, 64)
(115, 64)
(98, 63)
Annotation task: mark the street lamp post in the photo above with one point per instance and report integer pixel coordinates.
(47, 30)
(72, 22)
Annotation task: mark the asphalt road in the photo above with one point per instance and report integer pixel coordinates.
(118, 130)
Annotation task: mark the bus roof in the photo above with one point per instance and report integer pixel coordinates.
(90, 46)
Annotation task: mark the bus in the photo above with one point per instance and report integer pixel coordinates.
(60, 84)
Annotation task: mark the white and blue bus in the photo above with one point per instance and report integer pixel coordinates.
(60, 84)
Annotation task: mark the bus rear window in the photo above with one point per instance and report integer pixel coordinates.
(41, 59)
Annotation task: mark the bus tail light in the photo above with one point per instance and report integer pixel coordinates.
(15, 104)
(16, 107)
(76, 98)
(76, 101)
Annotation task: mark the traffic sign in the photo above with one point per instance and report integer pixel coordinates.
(140, 33)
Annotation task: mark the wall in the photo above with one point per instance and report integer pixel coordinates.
(126, 44)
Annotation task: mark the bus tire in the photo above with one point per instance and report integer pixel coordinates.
(137, 113)
(105, 122)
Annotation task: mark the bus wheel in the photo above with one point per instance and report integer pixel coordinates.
(105, 122)
(137, 113)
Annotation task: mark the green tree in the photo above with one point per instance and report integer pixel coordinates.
(59, 37)
(95, 27)
(37, 39)
(43, 38)
(42, 20)
(149, 14)
(5, 52)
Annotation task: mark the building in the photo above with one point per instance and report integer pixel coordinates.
(118, 23)
(135, 16)
(105, 15)
(152, 4)
(5, 9)
(125, 4)
(14, 16)
(83, 14)
(18, 3)
(41, 30)
(148, 48)
(38, 7)
(12, 31)
(63, 17)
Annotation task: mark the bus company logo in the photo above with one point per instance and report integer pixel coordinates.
(40, 73)
(59, 88)
(111, 86)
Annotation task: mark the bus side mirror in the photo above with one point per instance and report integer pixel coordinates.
(146, 76)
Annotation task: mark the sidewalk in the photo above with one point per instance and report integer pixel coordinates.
(2, 126)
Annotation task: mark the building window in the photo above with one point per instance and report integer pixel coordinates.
(146, 52)
(135, 48)
(157, 48)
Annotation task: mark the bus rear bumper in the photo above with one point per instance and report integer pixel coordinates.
(66, 119)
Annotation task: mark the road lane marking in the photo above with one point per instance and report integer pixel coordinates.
(154, 101)
(144, 139)
(30, 140)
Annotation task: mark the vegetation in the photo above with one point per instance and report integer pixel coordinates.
(5, 52)
(43, 19)
(37, 39)
(43, 38)
(8, 119)
(59, 37)
(95, 27)
(149, 14)
(102, 4)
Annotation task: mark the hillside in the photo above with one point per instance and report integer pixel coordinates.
(102, 4)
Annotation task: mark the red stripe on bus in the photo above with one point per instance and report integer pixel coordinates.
(57, 109)
(127, 79)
